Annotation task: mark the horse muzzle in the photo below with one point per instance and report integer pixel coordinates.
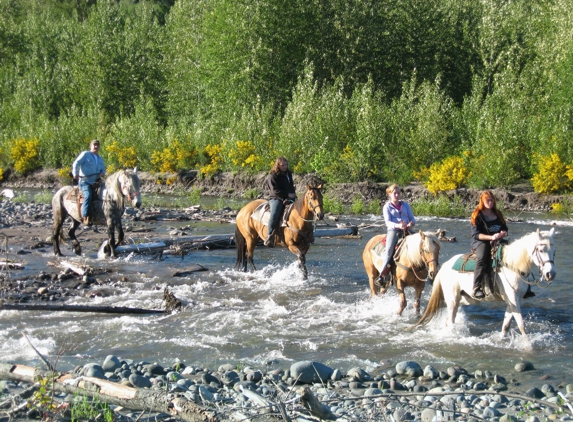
(549, 275)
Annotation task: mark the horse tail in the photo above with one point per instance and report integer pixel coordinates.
(241, 245)
(435, 304)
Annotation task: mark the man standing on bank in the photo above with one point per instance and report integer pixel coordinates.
(281, 188)
(88, 168)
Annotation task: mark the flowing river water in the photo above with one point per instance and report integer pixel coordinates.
(272, 317)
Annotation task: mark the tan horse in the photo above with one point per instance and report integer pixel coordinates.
(417, 261)
(296, 236)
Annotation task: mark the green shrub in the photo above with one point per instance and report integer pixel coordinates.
(332, 205)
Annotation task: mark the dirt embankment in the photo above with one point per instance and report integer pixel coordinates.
(518, 197)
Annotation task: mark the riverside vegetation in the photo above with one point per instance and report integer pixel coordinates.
(452, 93)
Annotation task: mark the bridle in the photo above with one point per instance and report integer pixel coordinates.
(427, 263)
(536, 255)
(125, 189)
(313, 210)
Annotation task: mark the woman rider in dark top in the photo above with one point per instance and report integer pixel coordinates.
(488, 226)
(281, 188)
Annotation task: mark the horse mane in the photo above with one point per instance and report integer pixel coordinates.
(113, 187)
(411, 247)
(517, 256)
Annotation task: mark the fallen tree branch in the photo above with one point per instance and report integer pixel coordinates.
(76, 308)
(113, 393)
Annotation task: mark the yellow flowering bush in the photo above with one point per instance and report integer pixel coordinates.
(25, 153)
(552, 176)
(1, 173)
(242, 154)
(214, 153)
(120, 157)
(449, 174)
(172, 159)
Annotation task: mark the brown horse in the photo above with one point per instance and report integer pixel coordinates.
(415, 261)
(119, 188)
(296, 236)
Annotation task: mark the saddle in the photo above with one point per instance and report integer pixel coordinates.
(76, 195)
(467, 262)
(263, 213)
(379, 248)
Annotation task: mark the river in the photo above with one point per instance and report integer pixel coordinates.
(272, 317)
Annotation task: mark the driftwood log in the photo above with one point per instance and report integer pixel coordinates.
(112, 393)
(216, 241)
(76, 308)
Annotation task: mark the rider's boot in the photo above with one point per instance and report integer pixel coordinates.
(478, 290)
(270, 240)
(384, 278)
(529, 293)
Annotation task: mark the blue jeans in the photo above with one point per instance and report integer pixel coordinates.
(276, 211)
(391, 240)
(88, 191)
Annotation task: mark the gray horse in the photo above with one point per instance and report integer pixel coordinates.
(107, 209)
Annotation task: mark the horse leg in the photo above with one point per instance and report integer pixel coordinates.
(418, 295)
(56, 233)
(72, 235)
(400, 289)
(302, 263)
(251, 243)
(513, 311)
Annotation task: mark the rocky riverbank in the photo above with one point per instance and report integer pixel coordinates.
(305, 391)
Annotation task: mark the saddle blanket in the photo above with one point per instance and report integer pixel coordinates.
(263, 213)
(467, 262)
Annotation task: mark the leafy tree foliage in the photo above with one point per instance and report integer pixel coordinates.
(350, 89)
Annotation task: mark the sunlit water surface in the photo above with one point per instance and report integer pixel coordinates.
(272, 317)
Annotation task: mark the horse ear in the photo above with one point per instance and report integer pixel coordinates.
(538, 234)
(319, 186)
(135, 170)
(422, 235)
(551, 231)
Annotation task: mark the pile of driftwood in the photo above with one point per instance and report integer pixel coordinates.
(180, 245)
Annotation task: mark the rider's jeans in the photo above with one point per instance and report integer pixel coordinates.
(276, 211)
(87, 190)
(392, 237)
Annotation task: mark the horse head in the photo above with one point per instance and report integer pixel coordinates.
(544, 254)
(429, 251)
(313, 200)
(129, 183)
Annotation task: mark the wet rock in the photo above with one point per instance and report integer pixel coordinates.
(111, 363)
(409, 368)
(524, 366)
(309, 371)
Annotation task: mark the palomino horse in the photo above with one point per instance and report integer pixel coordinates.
(120, 187)
(296, 236)
(518, 258)
(416, 261)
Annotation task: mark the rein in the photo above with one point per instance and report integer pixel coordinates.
(524, 276)
(314, 217)
(412, 269)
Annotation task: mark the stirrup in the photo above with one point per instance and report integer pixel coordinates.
(478, 293)
(383, 281)
(269, 241)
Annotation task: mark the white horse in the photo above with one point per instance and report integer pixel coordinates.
(453, 288)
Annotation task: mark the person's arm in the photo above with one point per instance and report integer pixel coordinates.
(76, 165)
(388, 220)
(410, 215)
